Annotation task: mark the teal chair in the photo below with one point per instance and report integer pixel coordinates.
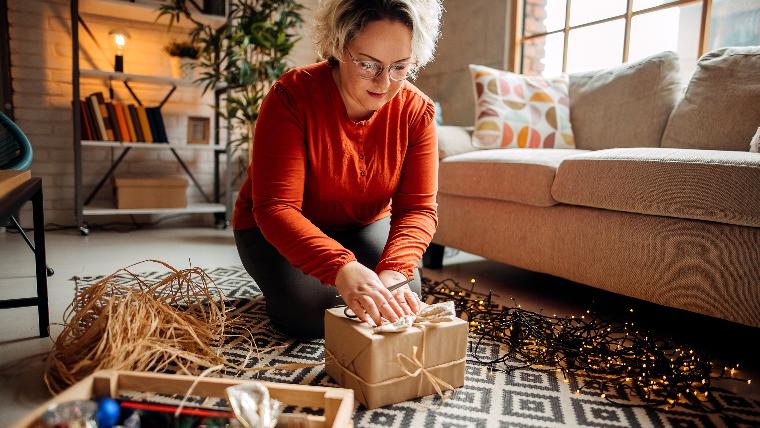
(15, 148)
(16, 155)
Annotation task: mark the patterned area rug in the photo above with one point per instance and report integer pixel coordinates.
(523, 398)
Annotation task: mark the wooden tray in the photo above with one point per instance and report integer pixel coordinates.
(338, 403)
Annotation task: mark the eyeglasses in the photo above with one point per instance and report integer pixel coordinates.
(372, 69)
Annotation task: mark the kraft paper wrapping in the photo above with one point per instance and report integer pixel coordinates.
(369, 363)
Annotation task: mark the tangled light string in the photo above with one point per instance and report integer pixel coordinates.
(602, 353)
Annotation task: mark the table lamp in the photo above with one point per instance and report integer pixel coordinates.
(120, 38)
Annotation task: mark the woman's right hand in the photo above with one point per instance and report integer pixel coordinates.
(365, 294)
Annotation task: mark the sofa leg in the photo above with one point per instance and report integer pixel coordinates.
(433, 257)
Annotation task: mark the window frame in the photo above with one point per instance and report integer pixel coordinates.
(517, 18)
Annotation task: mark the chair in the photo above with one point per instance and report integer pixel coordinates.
(16, 154)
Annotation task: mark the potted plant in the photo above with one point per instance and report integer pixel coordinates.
(182, 56)
(242, 57)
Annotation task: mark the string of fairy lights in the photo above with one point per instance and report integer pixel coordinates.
(599, 355)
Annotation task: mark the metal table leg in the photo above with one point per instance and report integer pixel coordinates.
(40, 261)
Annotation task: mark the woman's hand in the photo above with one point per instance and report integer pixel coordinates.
(365, 294)
(405, 297)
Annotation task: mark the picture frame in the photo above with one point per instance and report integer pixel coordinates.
(198, 130)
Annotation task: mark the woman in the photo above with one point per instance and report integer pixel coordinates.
(342, 184)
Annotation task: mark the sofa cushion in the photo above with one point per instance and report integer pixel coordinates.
(719, 186)
(513, 110)
(721, 108)
(517, 175)
(625, 106)
(453, 140)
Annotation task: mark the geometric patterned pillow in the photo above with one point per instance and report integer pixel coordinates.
(518, 111)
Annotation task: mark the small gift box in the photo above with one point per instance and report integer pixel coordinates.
(426, 356)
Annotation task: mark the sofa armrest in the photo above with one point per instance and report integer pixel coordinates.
(453, 140)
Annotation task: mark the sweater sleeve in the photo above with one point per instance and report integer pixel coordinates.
(414, 209)
(278, 171)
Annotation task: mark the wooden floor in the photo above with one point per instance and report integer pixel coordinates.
(104, 252)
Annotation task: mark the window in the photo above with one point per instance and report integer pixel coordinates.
(580, 35)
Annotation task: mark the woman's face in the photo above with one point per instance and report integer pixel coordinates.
(384, 42)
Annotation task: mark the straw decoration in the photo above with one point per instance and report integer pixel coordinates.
(178, 324)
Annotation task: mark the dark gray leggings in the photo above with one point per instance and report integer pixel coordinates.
(296, 302)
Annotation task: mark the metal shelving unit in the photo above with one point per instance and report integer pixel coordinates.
(221, 209)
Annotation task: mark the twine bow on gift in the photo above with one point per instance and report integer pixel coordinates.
(414, 361)
(433, 314)
(437, 313)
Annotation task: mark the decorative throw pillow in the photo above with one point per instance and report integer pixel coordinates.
(514, 110)
(719, 110)
(624, 106)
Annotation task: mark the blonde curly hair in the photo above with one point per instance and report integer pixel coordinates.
(337, 22)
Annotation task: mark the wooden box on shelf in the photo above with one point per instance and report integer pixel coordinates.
(338, 403)
(151, 192)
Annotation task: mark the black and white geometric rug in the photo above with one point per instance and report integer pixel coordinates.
(521, 399)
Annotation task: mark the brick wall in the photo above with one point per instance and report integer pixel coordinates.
(40, 42)
(533, 51)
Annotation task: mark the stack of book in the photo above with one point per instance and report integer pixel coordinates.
(111, 121)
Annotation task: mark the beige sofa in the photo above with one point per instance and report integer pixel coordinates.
(660, 201)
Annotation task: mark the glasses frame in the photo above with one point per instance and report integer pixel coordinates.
(411, 73)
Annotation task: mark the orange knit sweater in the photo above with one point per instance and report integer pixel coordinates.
(315, 169)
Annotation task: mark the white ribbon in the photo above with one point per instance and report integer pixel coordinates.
(439, 312)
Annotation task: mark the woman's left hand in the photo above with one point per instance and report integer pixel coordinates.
(405, 297)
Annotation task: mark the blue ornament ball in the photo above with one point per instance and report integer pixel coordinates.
(108, 413)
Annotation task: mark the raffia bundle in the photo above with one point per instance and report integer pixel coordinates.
(177, 324)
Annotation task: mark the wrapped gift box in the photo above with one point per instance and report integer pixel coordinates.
(387, 368)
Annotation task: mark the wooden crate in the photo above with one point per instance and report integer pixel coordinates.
(151, 192)
(337, 402)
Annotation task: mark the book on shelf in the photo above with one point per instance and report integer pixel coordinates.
(161, 125)
(153, 125)
(98, 116)
(119, 123)
(114, 122)
(123, 128)
(94, 128)
(84, 120)
(136, 122)
(144, 124)
(104, 114)
(157, 125)
(128, 120)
